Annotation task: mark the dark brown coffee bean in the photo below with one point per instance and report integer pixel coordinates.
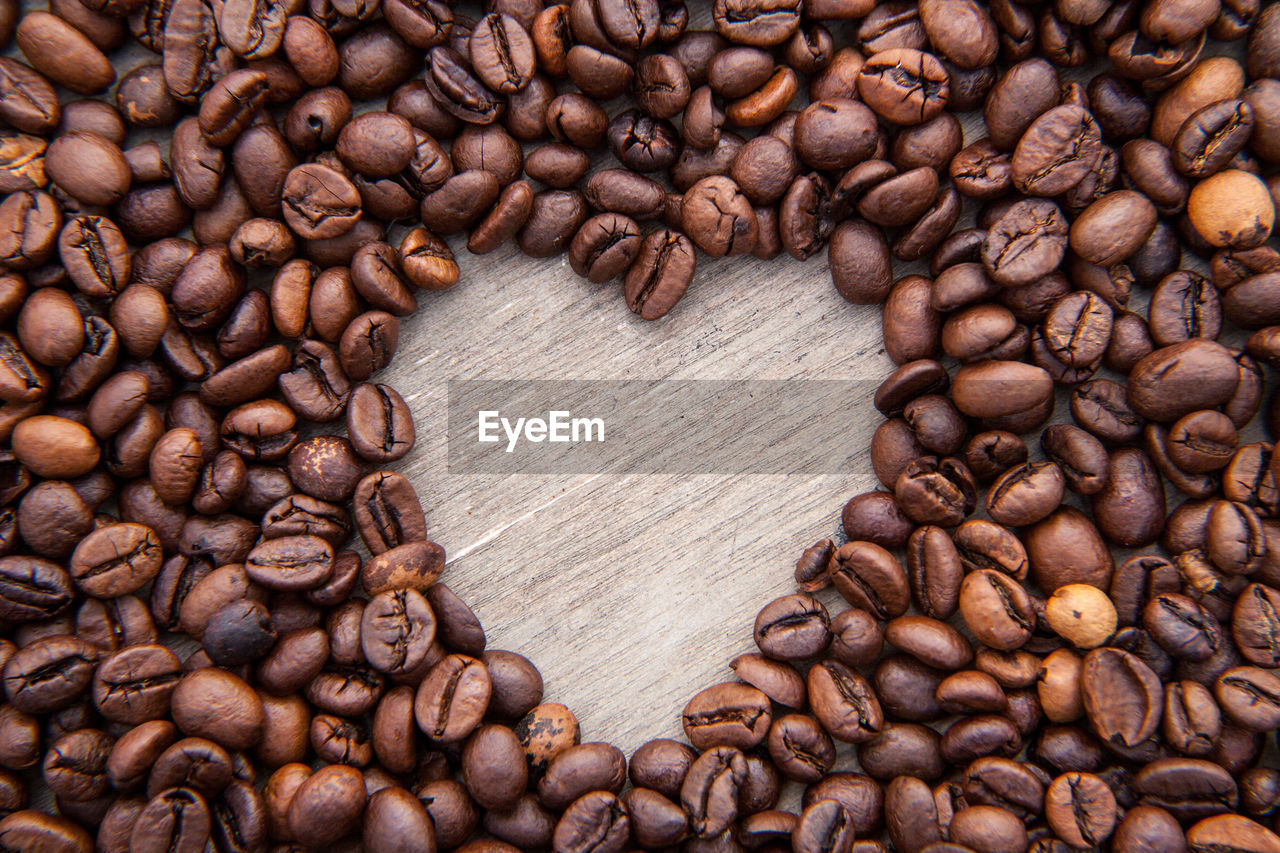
(711, 790)
(1080, 809)
(596, 821)
(996, 609)
(760, 23)
(1249, 696)
(509, 214)
(319, 202)
(660, 274)
(230, 106)
(454, 87)
(860, 265)
(930, 641)
(793, 627)
(62, 53)
(904, 85)
(291, 563)
(49, 674)
(1192, 721)
(844, 703)
(1026, 243)
(1130, 508)
(414, 564)
(502, 53)
(116, 560)
(1187, 788)
(396, 631)
(493, 768)
(31, 104)
(1100, 406)
(933, 491)
(427, 261)
(368, 344)
(1122, 696)
(604, 247)
(1182, 627)
(902, 749)
(327, 805)
(971, 738)
(835, 133)
(727, 714)
(175, 819)
(870, 577)
(452, 698)
(719, 218)
(935, 570)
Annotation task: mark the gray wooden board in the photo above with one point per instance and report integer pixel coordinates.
(629, 592)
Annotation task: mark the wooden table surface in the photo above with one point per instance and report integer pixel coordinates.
(629, 592)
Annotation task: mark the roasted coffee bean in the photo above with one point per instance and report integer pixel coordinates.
(291, 563)
(870, 577)
(116, 560)
(904, 85)
(1122, 696)
(1130, 508)
(1182, 627)
(933, 491)
(712, 788)
(1249, 696)
(756, 23)
(427, 261)
(452, 698)
(502, 53)
(902, 749)
(1192, 721)
(844, 702)
(932, 642)
(31, 104)
(660, 274)
(1026, 243)
(49, 674)
(835, 133)
(230, 105)
(794, 627)
(319, 202)
(1230, 209)
(719, 218)
(64, 54)
(727, 714)
(595, 821)
(238, 633)
(396, 631)
(996, 609)
(1080, 808)
(1188, 788)
(1026, 494)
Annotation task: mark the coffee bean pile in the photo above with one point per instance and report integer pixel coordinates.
(194, 434)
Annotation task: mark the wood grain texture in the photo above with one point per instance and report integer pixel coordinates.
(629, 592)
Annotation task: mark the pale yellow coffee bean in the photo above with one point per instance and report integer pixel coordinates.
(1232, 209)
(1081, 614)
